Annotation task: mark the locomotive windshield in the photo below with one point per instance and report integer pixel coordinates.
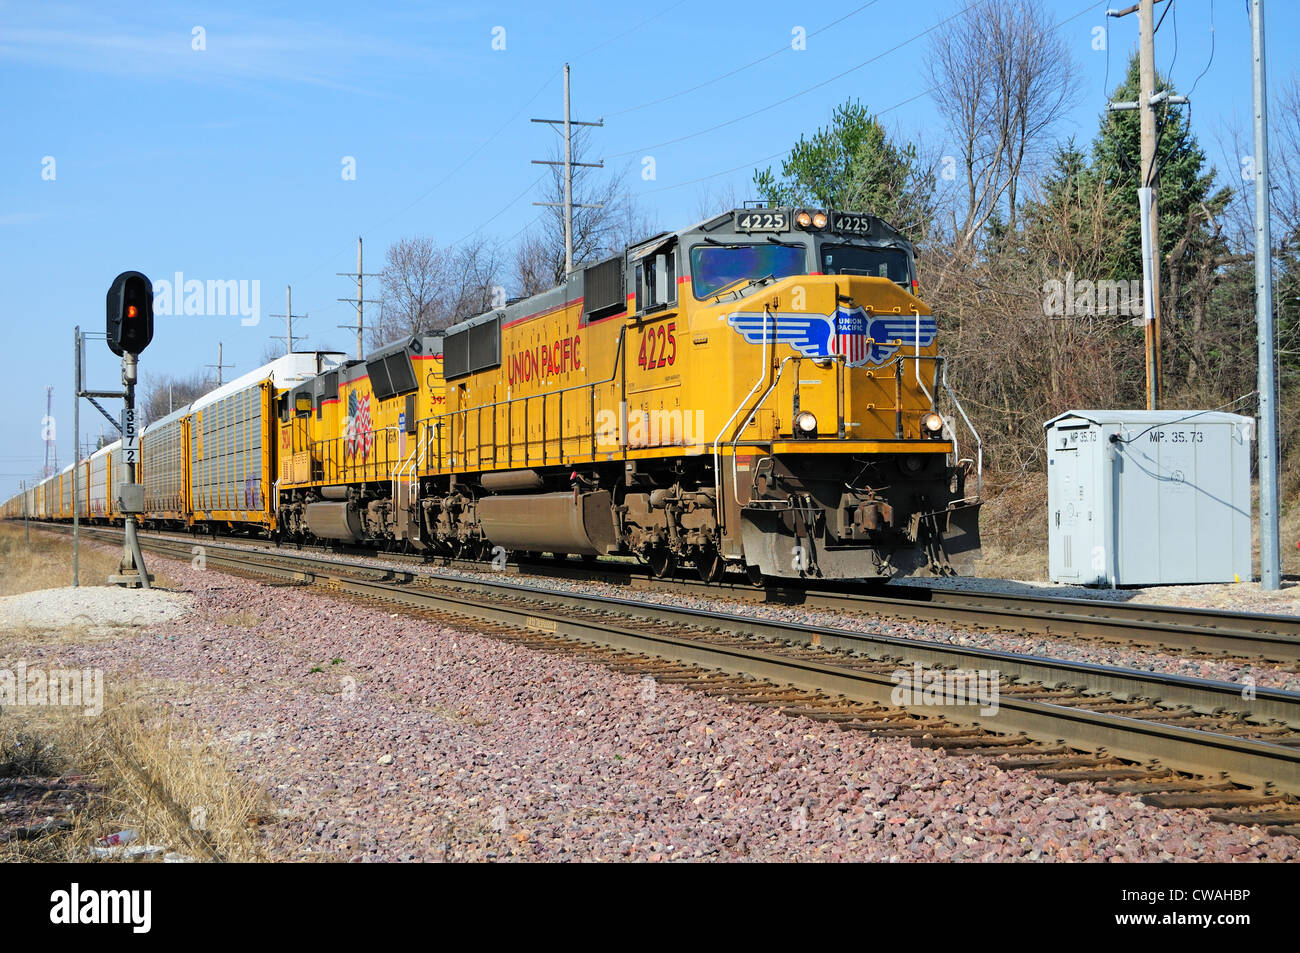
(888, 263)
(715, 267)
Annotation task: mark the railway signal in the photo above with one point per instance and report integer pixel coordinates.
(129, 331)
(130, 313)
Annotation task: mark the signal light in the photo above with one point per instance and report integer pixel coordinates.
(130, 313)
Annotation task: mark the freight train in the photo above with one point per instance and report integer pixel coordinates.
(762, 391)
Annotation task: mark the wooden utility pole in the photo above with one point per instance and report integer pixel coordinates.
(1148, 100)
(1147, 114)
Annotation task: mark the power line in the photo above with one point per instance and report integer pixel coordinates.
(888, 109)
(633, 29)
(802, 92)
(740, 69)
(1210, 61)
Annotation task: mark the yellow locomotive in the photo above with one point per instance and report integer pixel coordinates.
(759, 390)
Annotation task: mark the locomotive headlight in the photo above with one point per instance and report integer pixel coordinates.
(804, 219)
(819, 220)
(805, 423)
(932, 423)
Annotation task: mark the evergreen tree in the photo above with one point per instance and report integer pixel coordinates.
(852, 164)
(1184, 192)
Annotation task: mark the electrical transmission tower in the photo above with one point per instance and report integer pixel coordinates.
(568, 164)
(51, 444)
(288, 316)
(360, 300)
(219, 366)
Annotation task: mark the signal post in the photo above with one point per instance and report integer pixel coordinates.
(130, 329)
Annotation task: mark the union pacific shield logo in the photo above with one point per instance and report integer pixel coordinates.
(858, 335)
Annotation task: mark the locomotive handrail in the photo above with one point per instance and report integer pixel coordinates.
(435, 421)
(979, 443)
(717, 441)
(735, 474)
(941, 366)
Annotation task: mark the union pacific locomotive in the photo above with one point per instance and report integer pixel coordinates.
(762, 390)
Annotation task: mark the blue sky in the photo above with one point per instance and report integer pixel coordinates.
(226, 162)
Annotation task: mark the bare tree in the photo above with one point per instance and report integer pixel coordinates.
(710, 200)
(427, 288)
(1003, 78)
(164, 393)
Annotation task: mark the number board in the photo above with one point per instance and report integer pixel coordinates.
(762, 220)
(130, 437)
(853, 223)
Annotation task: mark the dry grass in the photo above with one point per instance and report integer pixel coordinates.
(1013, 529)
(75, 779)
(68, 779)
(46, 563)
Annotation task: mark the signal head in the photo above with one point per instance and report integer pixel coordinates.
(130, 313)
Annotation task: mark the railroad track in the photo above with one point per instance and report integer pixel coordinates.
(1175, 741)
(1236, 637)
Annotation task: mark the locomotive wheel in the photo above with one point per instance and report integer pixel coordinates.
(662, 563)
(711, 566)
(755, 576)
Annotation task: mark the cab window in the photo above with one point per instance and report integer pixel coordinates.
(891, 263)
(716, 268)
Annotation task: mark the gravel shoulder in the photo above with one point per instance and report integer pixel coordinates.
(380, 737)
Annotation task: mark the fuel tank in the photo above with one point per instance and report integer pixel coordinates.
(551, 522)
(334, 521)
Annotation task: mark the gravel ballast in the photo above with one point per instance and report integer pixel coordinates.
(381, 737)
(91, 606)
(1258, 674)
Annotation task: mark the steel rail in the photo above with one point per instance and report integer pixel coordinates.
(1273, 638)
(1255, 761)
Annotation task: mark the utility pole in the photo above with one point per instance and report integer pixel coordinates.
(360, 300)
(288, 320)
(78, 347)
(568, 205)
(51, 444)
(217, 365)
(1149, 197)
(1270, 569)
(27, 530)
(1148, 184)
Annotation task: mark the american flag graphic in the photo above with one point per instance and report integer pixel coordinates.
(359, 435)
